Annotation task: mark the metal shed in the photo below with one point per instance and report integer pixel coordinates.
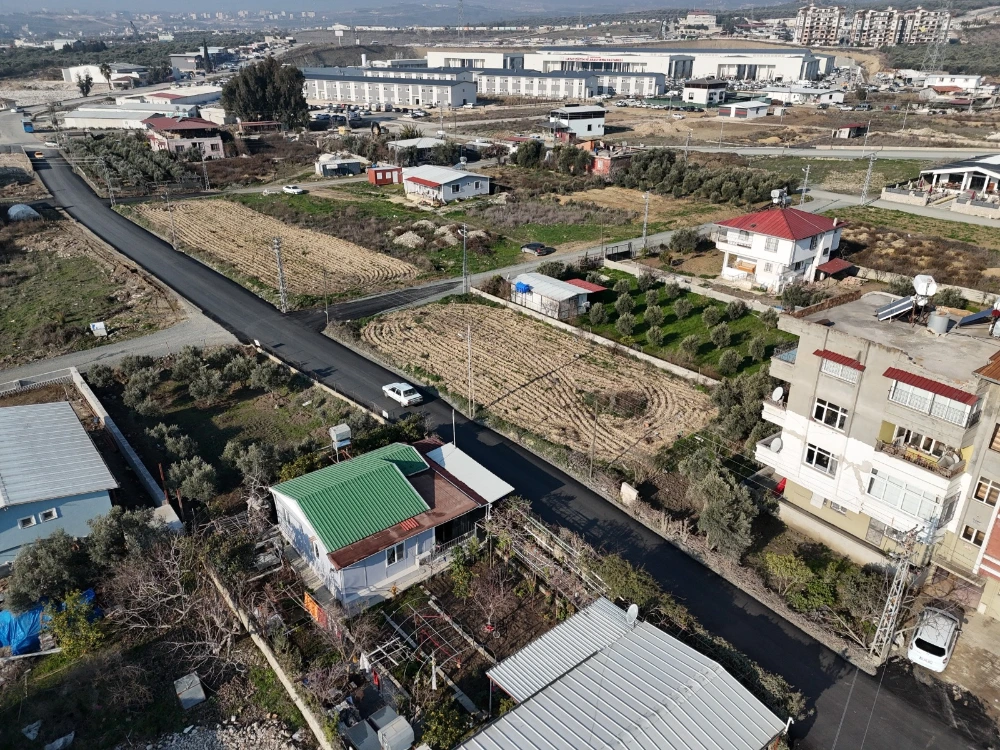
(551, 297)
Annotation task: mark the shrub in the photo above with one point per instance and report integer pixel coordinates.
(728, 515)
(444, 724)
(903, 287)
(552, 268)
(671, 290)
(51, 566)
(758, 348)
(698, 464)
(238, 369)
(795, 295)
(194, 478)
(598, 314)
(769, 318)
(691, 344)
(785, 573)
(684, 240)
(653, 316)
(187, 363)
(720, 336)
(594, 277)
(624, 304)
(654, 335)
(101, 376)
(625, 324)
(682, 308)
(172, 440)
(736, 309)
(730, 361)
(949, 297)
(137, 391)
(711, 316)
(254, 460)
(133, 363)
(207, 386)
(120, 533)
(269, 376)
(496, 285)
(622, 286)
(646, 281)
(75, 625)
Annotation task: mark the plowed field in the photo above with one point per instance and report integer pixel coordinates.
(242, 238)
(542, 379)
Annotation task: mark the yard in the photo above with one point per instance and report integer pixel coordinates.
(544, 380)
(844, 175)
(56, 279)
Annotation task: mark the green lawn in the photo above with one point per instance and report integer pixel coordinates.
(676, 330)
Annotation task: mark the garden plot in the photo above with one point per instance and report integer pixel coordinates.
(240, 237)
(542, 379)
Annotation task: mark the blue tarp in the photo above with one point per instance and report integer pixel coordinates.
(522, 288)
(21, 631)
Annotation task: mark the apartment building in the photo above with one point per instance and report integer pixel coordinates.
(887, 27)
(773, 248)
(888, 422)
(819, 25)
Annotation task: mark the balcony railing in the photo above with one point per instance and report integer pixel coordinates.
(732, 239)
(924, 462)
(776, 404)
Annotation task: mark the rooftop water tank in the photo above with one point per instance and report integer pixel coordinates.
(938, 322)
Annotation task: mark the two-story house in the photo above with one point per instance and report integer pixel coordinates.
(775, 247)
(886, 427)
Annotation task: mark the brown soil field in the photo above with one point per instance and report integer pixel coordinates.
(666, 209)
(242, 237)
(17, 179)
(535, 376)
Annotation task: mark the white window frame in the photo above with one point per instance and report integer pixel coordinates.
(26, 523)
(816, 456)
(990, 488)
(839, 371)
(771, 244)
(395, 554)
(896, 493)
(48, 515)
(824, 410)
(926, 402)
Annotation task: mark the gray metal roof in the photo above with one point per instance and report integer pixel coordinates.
(45, 453)
(561, 649)
(548, 287)
(644, 691)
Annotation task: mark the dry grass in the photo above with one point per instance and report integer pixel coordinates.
(662, 209)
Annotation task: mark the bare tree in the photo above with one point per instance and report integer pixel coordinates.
(493, 592)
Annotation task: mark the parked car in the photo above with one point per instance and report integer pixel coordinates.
(39, 155)
(292, 190)
(677, 116)
(537, 249)
(403, 393)
(934, 639)
(51, 144)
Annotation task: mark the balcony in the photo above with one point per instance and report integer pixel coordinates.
(732, 238)
(774, 411)
(928, 463)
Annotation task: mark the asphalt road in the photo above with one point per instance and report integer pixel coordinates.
(849, 710)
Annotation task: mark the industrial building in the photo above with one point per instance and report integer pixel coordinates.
(744, 110)
(123, 75)
(554, 298)
(175, 95)
(322, 86)
(474, 58)
(431, 74)
(127, 117)
(766, 64)
(531, 83)
(631, 84)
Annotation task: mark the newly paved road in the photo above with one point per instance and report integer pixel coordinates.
(845, 712)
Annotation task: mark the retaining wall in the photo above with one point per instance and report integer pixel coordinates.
(972, 209)
(909, 197)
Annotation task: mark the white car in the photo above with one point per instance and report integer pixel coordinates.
(934, 639)
(404, 393)
(51, 144)
(677, 117)
(292, 190)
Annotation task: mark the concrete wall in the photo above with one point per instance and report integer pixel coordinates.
(811, 523)
(909, 197)
(73, 514)
(972, 209)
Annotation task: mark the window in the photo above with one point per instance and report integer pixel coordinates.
(743, 238)
(315, 548)
(768, 267)
(821, 460)
(839, 371)
(455, 188)
(987, 491)
(814, 242)
(49, 515)
(590, 127)
(898, 494)
(838, 508)
(921, 443)
(995, 443)
(771, 244)
(975, 536)
(26, 523)
(395, 554)
(934, 404)
(477, 184)
(830, 414)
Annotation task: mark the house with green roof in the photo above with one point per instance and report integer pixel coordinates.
(366, 525)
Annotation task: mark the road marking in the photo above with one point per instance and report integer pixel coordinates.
(844, 715)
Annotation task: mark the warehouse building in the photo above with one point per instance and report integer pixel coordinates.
(744, 110)
(474, 58)
(123, 75)
(321, 86)
(797, 95)
(531, 83)
(128, 117)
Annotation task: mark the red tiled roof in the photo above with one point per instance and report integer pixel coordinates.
(840, 359)
(787, 223)
(586, 285)
(933, 386)
(836, 265)
(179, 123)
(409, 525)
(422, 181)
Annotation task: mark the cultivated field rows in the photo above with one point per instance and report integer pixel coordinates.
(242, 238)
(543, 379)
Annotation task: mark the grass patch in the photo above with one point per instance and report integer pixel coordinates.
(903, 221)
(844, 175)
(270, 696)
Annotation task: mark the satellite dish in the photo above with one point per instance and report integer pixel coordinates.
(776, 445)
(778, 394)
(631, 615)
(924, 285)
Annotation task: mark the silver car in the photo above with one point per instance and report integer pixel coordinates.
(934, 639)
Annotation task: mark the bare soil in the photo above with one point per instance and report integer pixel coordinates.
(662, 209)
(18, 182)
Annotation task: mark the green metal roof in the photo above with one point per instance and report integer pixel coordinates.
(354, 499)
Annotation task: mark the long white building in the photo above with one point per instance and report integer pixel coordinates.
(427, 74)
(531, 83)
(321, 86)
(473, 57)
(765, 64)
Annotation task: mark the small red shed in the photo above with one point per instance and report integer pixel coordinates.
(385, 175)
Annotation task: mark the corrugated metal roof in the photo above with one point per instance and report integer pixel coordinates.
(355, 499)
(561, 649)
(835, 265)
(440, 175)
(840, 359)
(926, 384)
(548, 287)
(787, 223)
(470, 472)
(586, 285)
(645, 691)
(45, 453)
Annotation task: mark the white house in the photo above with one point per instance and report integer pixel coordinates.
(775, 247)
(964, 82)
(368, 524)
(443, 184)
(795, 95)
(557, 299)
(582, 122)
(744, 110)
(705, 92)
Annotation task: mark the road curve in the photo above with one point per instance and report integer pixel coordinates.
(845, 713)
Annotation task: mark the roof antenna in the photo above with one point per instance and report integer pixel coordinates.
(631, 615)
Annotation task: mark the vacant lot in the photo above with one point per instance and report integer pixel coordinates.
(242, 239)
(56, 279)
(844, 175)
(541, 379)
(903, 221)
(17, 179)
(664, 211)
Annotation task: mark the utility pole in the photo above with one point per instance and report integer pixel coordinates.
(687, 145)
(868, 127)
(593, 437)
(173, 226)
(283, 295)
(805, 184)
(868, 177)
(645, 221)
(107, 179)
(326, 298)
(465, 258)
(894, 601)
(468, 367)
(906, 111)
(722, 127)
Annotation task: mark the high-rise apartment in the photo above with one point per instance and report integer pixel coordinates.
(819, 25)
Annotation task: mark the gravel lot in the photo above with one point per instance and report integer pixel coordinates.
(264, 735)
